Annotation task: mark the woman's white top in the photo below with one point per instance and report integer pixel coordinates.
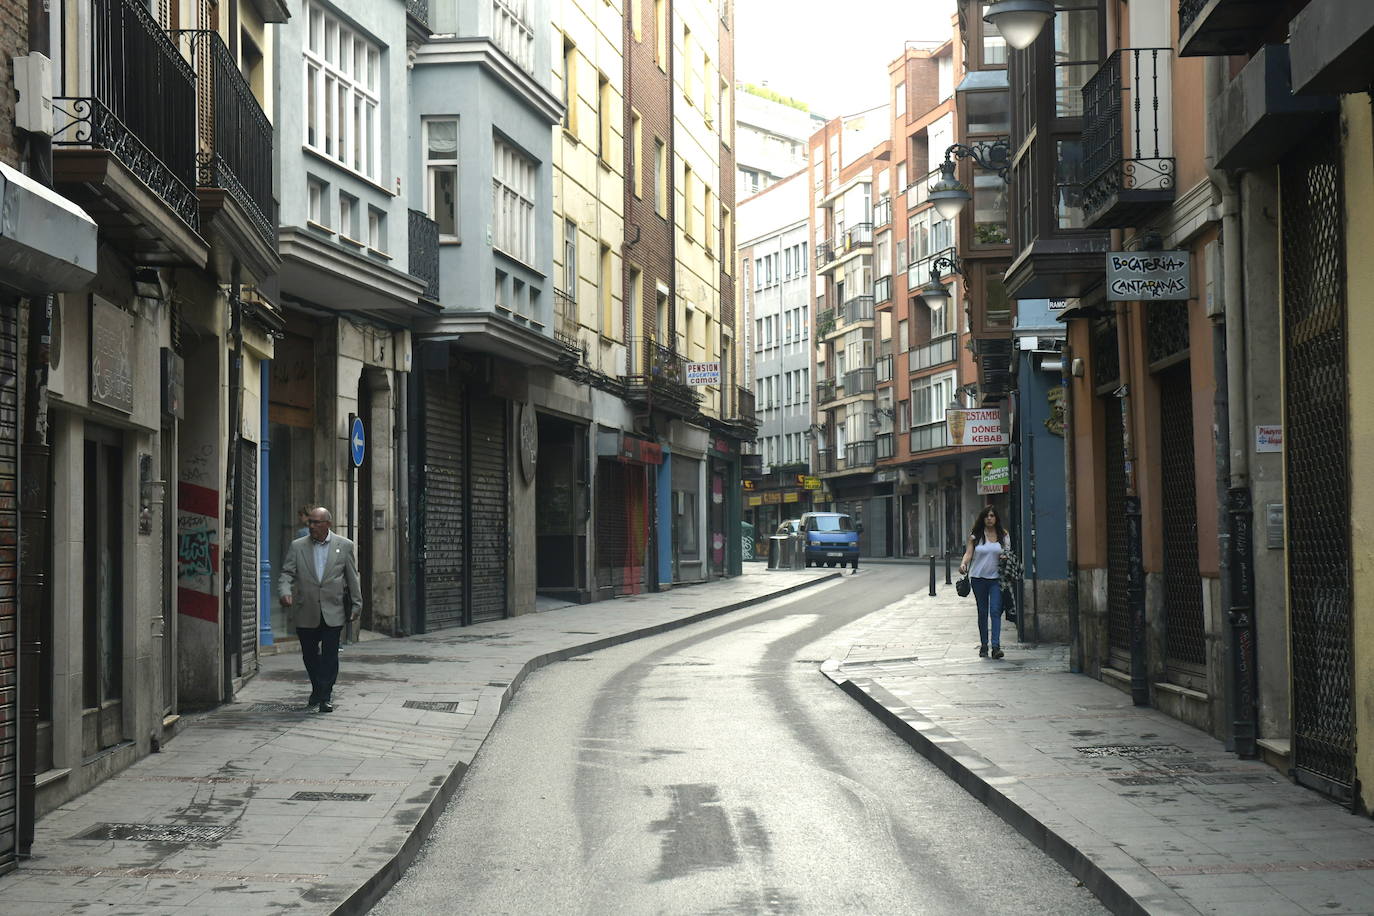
(985, 556)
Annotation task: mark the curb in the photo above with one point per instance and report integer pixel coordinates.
(374, 888)
(982, 778)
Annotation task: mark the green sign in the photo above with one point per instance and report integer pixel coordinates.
(996, 472)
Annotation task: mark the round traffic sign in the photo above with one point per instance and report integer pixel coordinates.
(357, 444)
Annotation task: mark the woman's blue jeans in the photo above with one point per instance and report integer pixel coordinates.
(988, 594)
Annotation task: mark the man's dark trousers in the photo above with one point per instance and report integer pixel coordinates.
(320, 649)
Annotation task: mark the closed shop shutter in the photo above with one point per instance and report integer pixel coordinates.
(487, 527)
(441, 501)
(9, 579)
(248, 559)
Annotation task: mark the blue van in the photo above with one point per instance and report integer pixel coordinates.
(832, 539)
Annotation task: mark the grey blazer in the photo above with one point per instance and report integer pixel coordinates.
(331, 601)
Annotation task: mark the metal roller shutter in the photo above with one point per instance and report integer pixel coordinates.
(441, 501)
(248, 559)
(487, 507)
(9, 579)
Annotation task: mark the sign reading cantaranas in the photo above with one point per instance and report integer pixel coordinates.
(1149, 275)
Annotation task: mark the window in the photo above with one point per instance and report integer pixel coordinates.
(688, 200)
(376, 229)
(661, 33)
(604, 117)
(726, 112)
(315, 192)
(348, 216)
(1077, 52)
(570, 86)
(688, 65)
(570, 259)
(606, 295)
(342, 95)
(994, 45)
(1068, 184)
(513, 32)
(441, 174)
(513, 189)
(632, 301)
(930, 396)
(660, 178)
(708, 221)
(636, 154)
(637, 19)
(899, 100)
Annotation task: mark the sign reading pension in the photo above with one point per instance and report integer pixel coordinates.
(975, 427)
(703, 373)
(1149, 275)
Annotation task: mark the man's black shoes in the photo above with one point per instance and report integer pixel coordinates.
(326, 706)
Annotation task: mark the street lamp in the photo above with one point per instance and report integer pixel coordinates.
(934, 292)
(948, 193)
(1019, 21)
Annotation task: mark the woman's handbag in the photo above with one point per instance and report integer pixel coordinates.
(962, 587)
(1009, 604)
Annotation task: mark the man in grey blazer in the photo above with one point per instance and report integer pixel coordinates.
(319, 583)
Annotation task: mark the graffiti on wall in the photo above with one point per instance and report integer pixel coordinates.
(197, 551)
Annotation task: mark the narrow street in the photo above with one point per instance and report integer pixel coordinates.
(715, 770)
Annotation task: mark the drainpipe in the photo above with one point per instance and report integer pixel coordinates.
(1233, 457)
(1135, 574)
(233, 580)
(265, 637)
(35, 493)
(1070, 510)
(401, 386)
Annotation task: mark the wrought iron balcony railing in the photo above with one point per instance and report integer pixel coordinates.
(825, 253)
(860, 454)
(859, 308)
(825, 322)
(858, 381)
(1230, 27)
(882, 213)
(661, 373)
(882, 369)
(825, 391)
(234, 136)
(928, 436)
(825, 460)
(860, 235)
(882, 290)
(424, 252)
(938, 351)
(1128, 151)
(565, 322)
(883, 443)
(138, 102)
(419, 11)
(744, 405)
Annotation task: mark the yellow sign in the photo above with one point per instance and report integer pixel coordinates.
(748, 484)
(772, 499)
(811, 483)
(755, 500)
(791, 496)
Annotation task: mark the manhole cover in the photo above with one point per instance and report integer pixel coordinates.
(1131, 750)
(156, 833)
(431, 705)
(332, 796)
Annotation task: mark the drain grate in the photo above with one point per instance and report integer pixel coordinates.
(332, 796)
(1132, 750)
(431, 705)
(1233, 779)
(1147, 780)
(273, 707)
(157, 833)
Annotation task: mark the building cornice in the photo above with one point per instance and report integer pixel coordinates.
(484, 53)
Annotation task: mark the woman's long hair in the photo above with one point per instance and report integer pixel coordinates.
(977, 532)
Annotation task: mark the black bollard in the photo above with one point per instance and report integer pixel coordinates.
(948, 580)
(932, 575)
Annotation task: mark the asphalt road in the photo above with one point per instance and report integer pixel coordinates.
(713, 769)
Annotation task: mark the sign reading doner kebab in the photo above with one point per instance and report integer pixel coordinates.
(975, 427)
(1150, 276)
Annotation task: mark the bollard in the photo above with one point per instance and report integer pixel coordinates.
(932, 575)
(948, 580)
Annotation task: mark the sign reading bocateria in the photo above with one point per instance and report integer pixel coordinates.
(1149, 275)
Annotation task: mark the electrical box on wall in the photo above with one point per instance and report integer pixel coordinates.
(33, 86)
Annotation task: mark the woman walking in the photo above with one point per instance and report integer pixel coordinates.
(986, 543)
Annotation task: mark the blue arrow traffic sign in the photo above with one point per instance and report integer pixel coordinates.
(357, 445)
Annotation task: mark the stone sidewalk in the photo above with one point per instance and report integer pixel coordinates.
(1153, 815)
(259, 806)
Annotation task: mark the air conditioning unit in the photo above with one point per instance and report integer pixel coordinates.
(33, 87)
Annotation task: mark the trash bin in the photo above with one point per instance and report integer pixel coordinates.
(798, 551)
(780, 552)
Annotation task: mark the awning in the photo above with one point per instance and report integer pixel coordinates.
(47, 243)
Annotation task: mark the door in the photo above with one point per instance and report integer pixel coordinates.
(1185, 638)
(103, 593)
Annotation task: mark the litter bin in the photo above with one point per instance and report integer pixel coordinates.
(798, 551)
(780, 550)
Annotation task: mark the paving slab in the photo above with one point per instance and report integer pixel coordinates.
(260, 806)
(1153, 815)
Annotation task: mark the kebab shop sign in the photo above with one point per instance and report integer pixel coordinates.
(975, 427)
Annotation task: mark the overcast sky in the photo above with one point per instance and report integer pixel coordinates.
(832, 55)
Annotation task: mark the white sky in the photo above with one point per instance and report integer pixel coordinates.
(833, 55)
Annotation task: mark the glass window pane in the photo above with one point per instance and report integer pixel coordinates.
(994, 45)
(988, 112)
(989, 209)
(1068, 179)
(1068, 88)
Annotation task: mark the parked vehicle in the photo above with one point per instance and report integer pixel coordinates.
(789, 528)
(832, 539)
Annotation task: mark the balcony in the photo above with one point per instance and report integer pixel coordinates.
(859, 308)
(825, 391)
(1128, 145)
(424, 253)
(825, 323)
(1332, 44)
(882, 290)
(125, 142)
(234, 158)
(882, 213)
(882, 369)
(1258, 118)
(939, 351)
(859, 381)
(744, 406)
(860, 454)
(860, 235)
(565, 324)
(1224, 27)
(825, 460)
(993, 355)
(884, 445)
(825, 253)
(929, 436)
(657, 378)
(417, 18)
